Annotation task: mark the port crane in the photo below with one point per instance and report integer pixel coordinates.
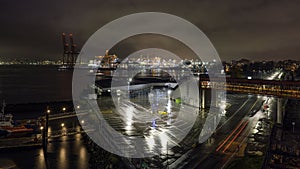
(70, 52)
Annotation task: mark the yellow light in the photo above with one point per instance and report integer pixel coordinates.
(48, 111)
(41, 127)
(62, 124)
(64, 109)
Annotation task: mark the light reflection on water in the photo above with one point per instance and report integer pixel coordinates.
(40, 161)
(68, 152)
(63, 153)
(62, 158)
(82, 156)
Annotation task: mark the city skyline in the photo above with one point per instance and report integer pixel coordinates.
(257, 30)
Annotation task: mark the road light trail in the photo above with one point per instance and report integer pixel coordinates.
(233, 115)
(235, 137)
(224, 142)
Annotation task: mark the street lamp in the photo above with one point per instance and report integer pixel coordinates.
(45, 135)
(63, 109)
(169, 92)
(63, 129)
(129, 81)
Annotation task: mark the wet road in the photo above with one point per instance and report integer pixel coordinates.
(135, 119)
(219, 154)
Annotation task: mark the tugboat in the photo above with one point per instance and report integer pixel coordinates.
(7, 126)
(5, 119)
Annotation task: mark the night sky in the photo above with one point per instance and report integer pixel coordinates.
(252, 29)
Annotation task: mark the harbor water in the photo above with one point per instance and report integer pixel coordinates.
(34, 84)
(39, 84)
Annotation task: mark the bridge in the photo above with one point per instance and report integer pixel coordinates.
(278, 88)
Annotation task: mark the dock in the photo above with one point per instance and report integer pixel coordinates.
(35, 140)
(21, 143)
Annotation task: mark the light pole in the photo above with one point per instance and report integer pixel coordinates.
(63, 130)
(45, 131)
(45, 136)
(129, 81)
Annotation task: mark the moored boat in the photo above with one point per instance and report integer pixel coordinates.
(19, 132)
(7, 126)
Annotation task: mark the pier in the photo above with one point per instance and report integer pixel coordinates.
(35, 140)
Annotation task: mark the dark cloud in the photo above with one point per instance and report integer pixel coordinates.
(256, 29)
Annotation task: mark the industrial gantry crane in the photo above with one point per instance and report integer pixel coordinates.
(69, 53)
